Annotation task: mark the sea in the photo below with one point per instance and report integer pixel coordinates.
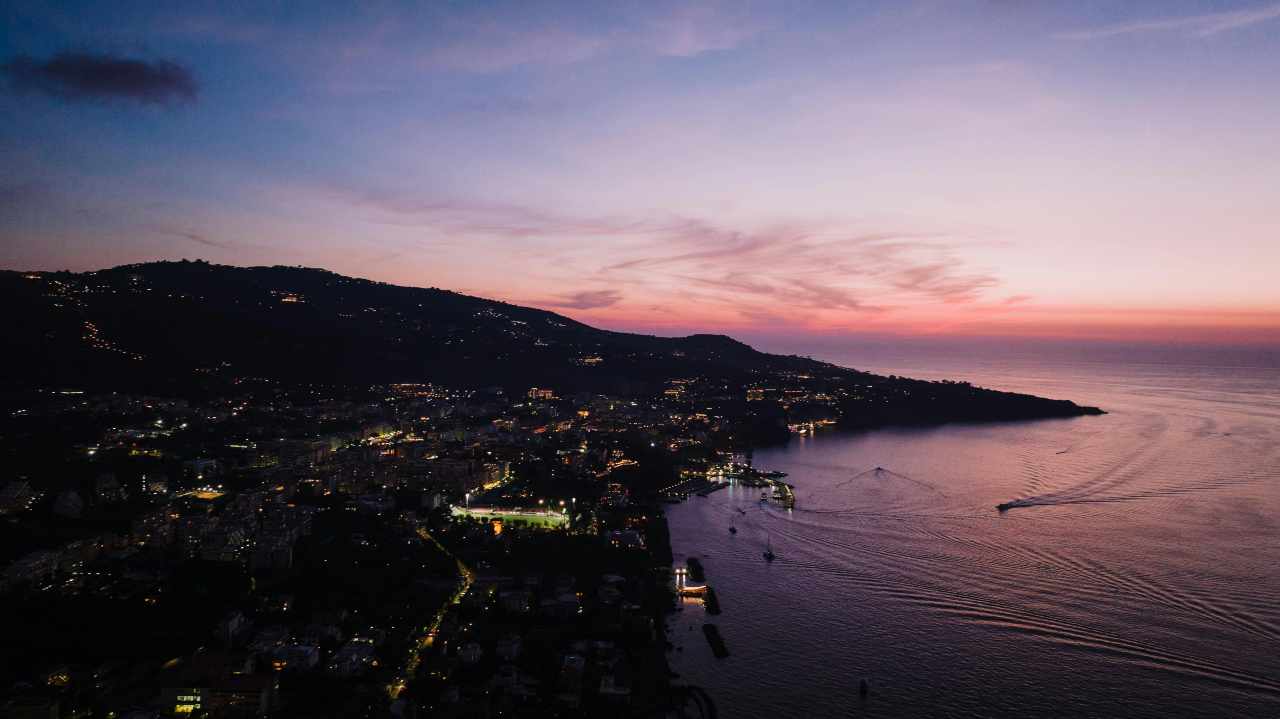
(1138, 577)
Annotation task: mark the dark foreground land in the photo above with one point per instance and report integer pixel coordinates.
(282, 492)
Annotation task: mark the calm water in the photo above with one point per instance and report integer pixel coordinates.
(1144, 580)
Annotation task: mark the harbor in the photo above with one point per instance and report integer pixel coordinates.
(732, 475)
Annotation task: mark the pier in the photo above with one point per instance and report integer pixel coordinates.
(700, 486)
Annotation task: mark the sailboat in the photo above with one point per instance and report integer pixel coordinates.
(768, 550)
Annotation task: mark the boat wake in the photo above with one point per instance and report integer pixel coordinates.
(1099, 496)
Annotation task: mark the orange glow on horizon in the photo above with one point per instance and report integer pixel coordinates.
(1176, 325)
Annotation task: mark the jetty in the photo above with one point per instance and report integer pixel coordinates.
(716, 641)
(711, 602)
(684, 488)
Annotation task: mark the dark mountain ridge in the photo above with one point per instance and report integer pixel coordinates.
(169, 326)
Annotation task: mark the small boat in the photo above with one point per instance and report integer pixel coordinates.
(733, 530)
(1005, 506)
(768, 551)
(742, 511)
(863, 688)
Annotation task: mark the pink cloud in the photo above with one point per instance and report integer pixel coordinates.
(811, 272)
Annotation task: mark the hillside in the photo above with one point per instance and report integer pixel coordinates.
(170, 326)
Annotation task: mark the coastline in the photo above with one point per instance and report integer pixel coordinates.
(705, 699)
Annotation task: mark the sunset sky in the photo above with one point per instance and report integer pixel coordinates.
(1060, 169)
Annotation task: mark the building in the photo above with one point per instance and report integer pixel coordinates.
(16, 497)
(37, 569)
(540, 393)
(220, 684)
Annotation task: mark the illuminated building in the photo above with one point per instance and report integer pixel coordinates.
(219, 684)
(541, 393)
(187, 702)
(354, 658)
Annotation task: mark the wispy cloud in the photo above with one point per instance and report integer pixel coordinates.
(484, 44)
(793, 269)
(693, 29)
(1197, 25)
(85, 76)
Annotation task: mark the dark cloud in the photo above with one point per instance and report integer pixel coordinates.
(84, 76)
(201, 239)
(163, 229)
(587, 300)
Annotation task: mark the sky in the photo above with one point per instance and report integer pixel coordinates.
(1091, 170)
